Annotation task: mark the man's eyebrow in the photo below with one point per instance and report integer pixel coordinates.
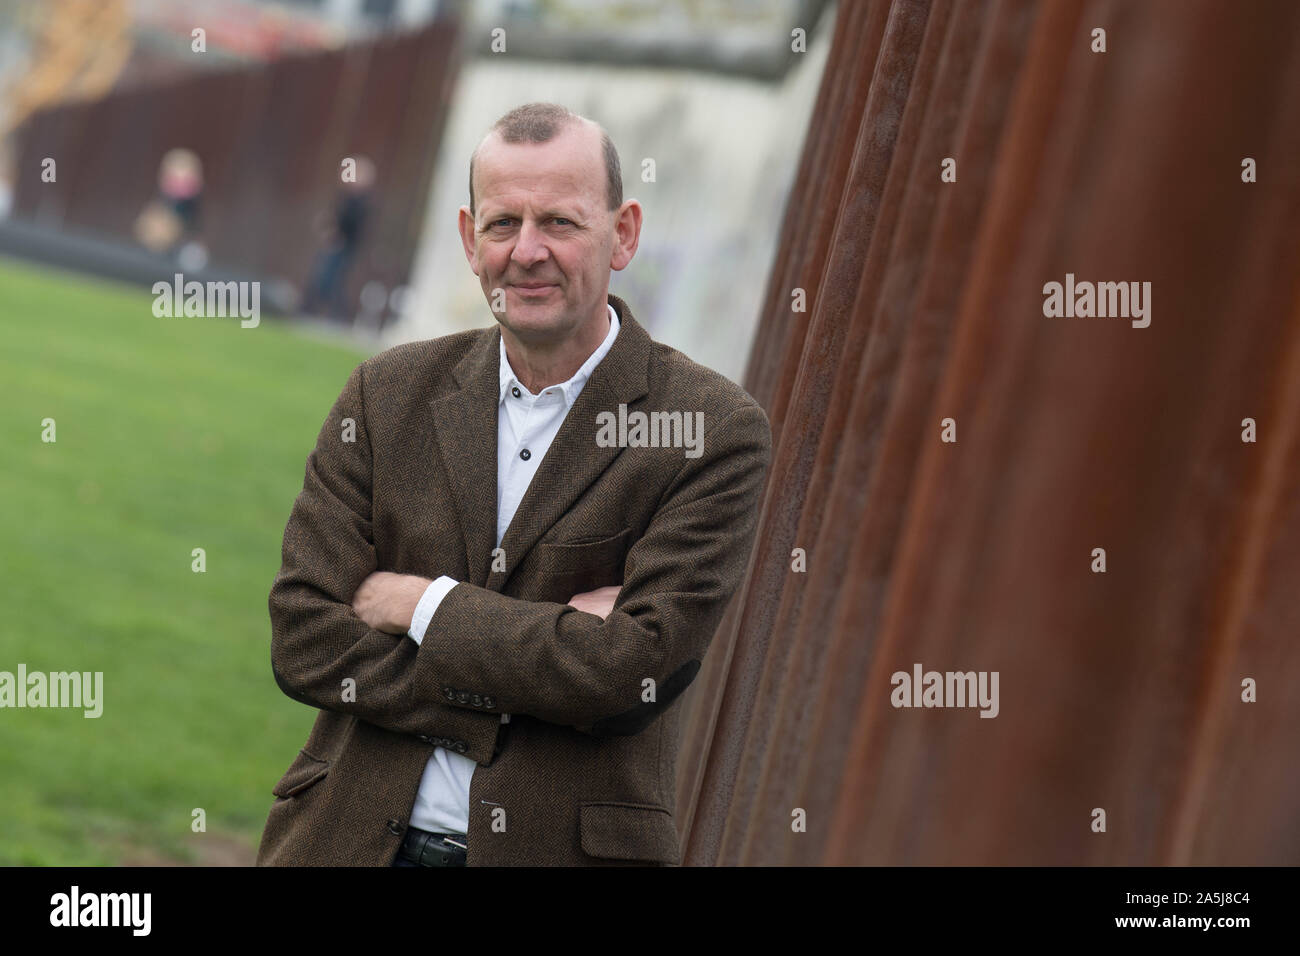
(574, 214)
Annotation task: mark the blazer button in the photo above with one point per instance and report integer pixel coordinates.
(448, 693)
(394, 826)
(460, 747)
(476, 700)
(489, 702)
(425, 738)
(462, 696)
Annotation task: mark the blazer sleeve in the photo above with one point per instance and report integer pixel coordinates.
(317, 640)
(501, 654)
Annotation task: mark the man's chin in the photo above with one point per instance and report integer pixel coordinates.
(532, 325)
(537, 316)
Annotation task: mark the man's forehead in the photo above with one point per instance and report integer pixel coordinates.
(569, 164)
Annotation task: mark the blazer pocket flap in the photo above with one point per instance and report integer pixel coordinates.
(302, 773)
(581, 555)
(628, 831)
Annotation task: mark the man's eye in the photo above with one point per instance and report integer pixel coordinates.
(497, 222)
(562, 221)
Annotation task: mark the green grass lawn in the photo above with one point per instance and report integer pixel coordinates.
(172, 434)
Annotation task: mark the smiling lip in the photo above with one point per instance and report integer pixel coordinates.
(533, 287)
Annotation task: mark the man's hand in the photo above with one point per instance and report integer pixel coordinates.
(599, 602)
(386, 601)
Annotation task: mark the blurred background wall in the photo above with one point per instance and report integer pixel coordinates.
(272, 140)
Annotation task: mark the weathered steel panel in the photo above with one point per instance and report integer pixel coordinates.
(1120, 689)
(271, 138)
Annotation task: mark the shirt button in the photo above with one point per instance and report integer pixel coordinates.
(525, 454)
(515, 391)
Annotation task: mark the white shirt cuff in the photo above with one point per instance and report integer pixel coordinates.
(428, 606)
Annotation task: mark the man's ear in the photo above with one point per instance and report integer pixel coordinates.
(627, 234)
(465, 222)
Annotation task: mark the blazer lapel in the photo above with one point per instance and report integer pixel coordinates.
(465, 424)
(574, 460)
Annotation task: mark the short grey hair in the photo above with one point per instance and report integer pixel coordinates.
(539, 123)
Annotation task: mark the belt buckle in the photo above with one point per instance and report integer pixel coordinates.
(439, 852)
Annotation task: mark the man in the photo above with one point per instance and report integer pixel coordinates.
(495, 582)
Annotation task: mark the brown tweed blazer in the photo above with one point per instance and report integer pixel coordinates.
(584, 771)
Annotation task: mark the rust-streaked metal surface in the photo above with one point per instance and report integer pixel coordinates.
(272, 138)
(1121, 690)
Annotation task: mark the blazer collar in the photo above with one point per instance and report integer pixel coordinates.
(465, 425)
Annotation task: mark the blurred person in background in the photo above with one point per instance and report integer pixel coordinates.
(169, 223)
(328, 283)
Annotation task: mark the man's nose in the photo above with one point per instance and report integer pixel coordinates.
(530, 247)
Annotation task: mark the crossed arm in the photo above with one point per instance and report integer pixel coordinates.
(562, 663)
(386, 601)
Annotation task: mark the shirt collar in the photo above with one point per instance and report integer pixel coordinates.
(569, 390)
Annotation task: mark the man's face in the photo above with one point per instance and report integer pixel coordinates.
(541, 232)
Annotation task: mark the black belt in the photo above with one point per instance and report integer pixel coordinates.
(434, 849)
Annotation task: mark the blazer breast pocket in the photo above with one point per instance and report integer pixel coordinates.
(597, 552)
(564, 569)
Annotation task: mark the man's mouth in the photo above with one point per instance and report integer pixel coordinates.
(534, 289)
